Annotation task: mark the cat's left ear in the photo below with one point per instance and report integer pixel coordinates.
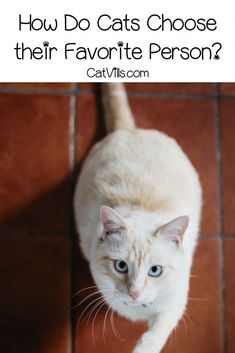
(174, 230)
(111, 221)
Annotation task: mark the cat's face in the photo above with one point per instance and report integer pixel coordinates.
(134, 271)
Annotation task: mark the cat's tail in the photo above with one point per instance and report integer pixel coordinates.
(117, 111)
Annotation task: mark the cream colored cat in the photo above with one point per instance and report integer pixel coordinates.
(137, 206)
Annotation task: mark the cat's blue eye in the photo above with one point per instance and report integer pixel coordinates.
(155, 271)
(120, 266)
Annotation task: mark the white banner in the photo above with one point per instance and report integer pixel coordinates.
(177, 41)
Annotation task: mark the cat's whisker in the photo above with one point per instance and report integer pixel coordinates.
(86, 298)
(198, 299)
(89, 296)
(82, 290)
(92, 287)
(185, 326)
(104, 322)
(188, 317)
(96, 306)
(89, 314)
(114, 328)
(195, 276)
(86, 308)
(93, 321)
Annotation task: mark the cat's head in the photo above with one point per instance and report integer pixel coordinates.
(136, 270)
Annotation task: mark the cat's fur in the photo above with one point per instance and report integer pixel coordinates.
(153, 196)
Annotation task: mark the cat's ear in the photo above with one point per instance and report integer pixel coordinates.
(111, 221)
(174, 230)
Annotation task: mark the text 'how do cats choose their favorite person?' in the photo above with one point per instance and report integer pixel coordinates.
(122, 51)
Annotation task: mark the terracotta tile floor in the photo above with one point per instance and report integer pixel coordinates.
(46, 130)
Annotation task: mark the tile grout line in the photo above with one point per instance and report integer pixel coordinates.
(39, 91)
(76, 91)
(72, 123)
(219, 160)
(72, 161)
(158, 94)
(220, 216)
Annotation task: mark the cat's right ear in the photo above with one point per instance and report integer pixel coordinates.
(111, 221)
(174, 230)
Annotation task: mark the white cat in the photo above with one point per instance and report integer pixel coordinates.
(137, 207)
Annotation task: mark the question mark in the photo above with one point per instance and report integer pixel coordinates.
(216, 56)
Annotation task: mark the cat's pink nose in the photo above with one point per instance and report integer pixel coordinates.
(134, 294)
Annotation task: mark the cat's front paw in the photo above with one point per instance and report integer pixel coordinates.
(147, 344)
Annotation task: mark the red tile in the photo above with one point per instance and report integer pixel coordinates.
(229, 264)
(168, 88)
(38, 85)
(34, 163)
(198, 332)
(35, 295)
(227, 89)
(83, 86)
(192, 124)
(90, 124)
(180, 88)
(228, 166)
